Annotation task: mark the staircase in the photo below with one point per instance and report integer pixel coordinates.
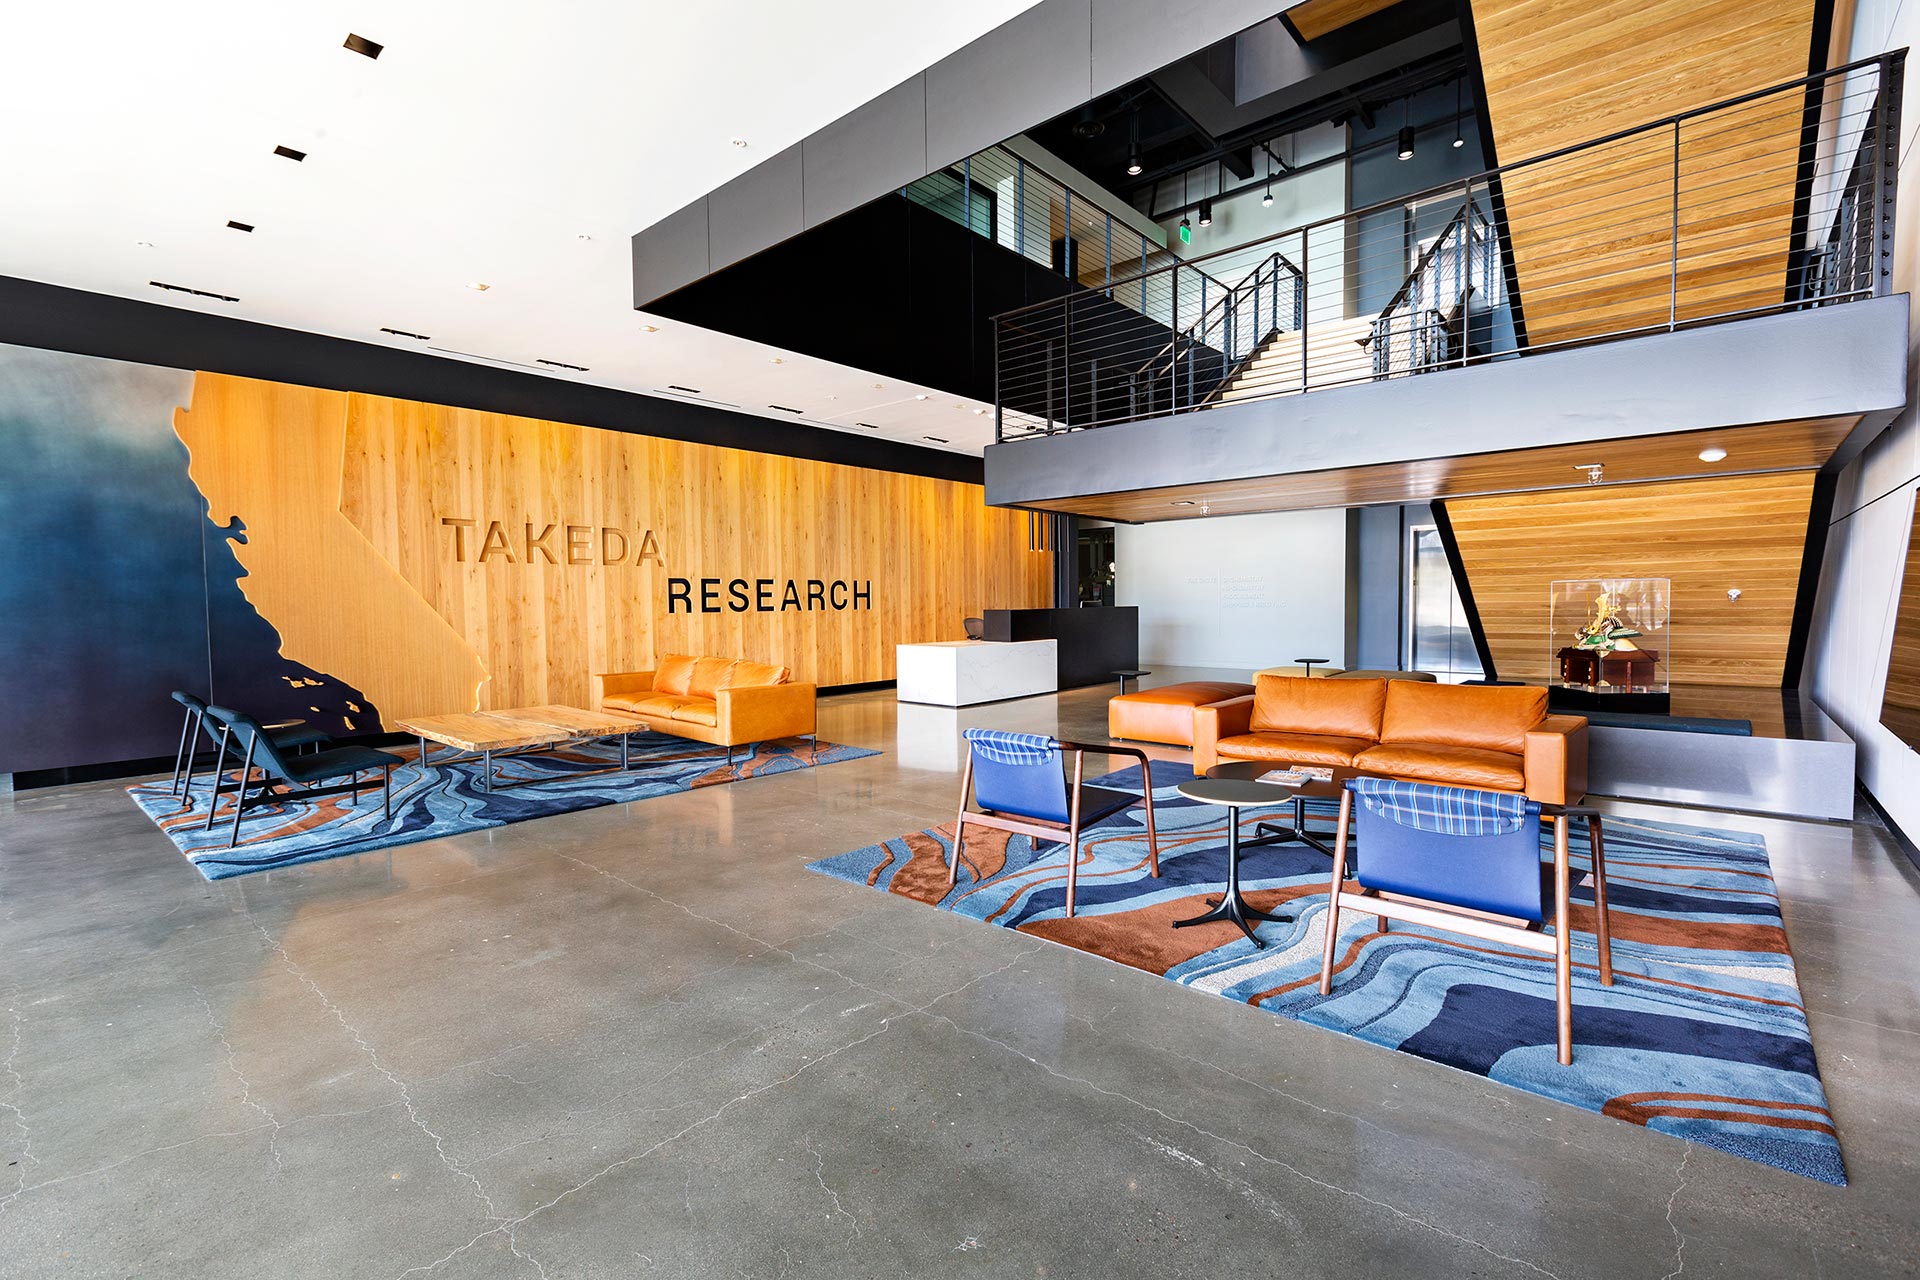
(1335, 353)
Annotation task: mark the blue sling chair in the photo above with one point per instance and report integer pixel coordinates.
(1467, 862)
(301, 775)
(186, 758)
(1020, 784)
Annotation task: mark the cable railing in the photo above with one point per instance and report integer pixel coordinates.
(1019, 205)
(1776, 200)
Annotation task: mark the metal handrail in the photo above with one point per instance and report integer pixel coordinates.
(1487, 176)
(1275, 261)
(1075, 361)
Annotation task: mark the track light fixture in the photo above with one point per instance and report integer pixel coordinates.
(1133, 145)
(1206, 211)
(1406, 131)
(1133, 162)
(1266, 201)
(1459, 91)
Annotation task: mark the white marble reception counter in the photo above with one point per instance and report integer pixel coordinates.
(959, 673)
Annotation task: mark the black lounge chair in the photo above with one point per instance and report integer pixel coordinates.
(301, 774)
(186, 758)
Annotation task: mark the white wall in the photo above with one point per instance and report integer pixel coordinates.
(1867, 545)
(1237, 591)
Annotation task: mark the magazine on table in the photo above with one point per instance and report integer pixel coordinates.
(1297, 775)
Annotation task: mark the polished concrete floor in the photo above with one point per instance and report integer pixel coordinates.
(645, 1041)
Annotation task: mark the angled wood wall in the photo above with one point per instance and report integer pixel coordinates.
(1592, 234)
(344, 498)
(1744, 532)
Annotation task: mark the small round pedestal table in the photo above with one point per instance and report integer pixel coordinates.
(1234, 794)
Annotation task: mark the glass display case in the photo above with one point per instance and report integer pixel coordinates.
(1610, 642)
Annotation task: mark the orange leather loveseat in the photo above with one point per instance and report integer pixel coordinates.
(1489, 737)
(727, 702)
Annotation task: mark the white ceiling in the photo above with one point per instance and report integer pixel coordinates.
(510, 144)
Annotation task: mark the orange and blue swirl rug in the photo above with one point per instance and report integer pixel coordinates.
(1703, 1034)
(446, 798)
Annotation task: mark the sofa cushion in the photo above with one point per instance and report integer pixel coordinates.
(1339, 708)
(1293, 748)
(675, 670)
(1487, 717)
(755, 675)
(1448, 766)
(697, 711)
(709, 675)
(1165, 714)
(655, 706)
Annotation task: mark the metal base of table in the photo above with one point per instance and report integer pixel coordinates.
(486, 761)
(1295, 834)
(1232, 905)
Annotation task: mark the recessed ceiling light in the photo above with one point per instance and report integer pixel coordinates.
(362, 45)
(478, 286)
(239, 226)
(879, 386)
(778, 360)
(1713, 453)
(739, 144)
(920, 397)
(649, 328)
(143, 244)
(290, 153)
(583, 236)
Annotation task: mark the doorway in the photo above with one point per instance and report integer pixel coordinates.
(1438, 638)
(1094, 568)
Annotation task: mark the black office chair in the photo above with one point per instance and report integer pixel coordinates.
(976, 628)
(186, 758)
(301, 774)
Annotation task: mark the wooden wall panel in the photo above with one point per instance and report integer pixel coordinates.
(1592, 235)
(1745, 532)
(344, 497)
(1900, 704)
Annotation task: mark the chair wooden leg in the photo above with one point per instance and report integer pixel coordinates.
(386, 794)
(960, 822)
(1332, 922)
(1153, 837)
(1562, 941)
(1073, 869)
(1073, 829)
(1603, 928)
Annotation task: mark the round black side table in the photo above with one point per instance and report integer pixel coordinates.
(1234, 794)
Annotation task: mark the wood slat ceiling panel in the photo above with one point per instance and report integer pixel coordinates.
(1593, 235)
(1778, 446)
(1739, 532)
(1317, 17)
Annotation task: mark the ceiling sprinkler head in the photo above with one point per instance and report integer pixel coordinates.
(1596, 471)
(1733, 593)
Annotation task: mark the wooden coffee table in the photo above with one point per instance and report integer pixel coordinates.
(519, 731)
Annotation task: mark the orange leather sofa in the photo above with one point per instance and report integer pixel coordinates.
(1489, 737)
(1165, 713)
(728, 702)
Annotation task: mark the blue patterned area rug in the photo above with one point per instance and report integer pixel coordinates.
(1703, 1034)
(447, 799)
